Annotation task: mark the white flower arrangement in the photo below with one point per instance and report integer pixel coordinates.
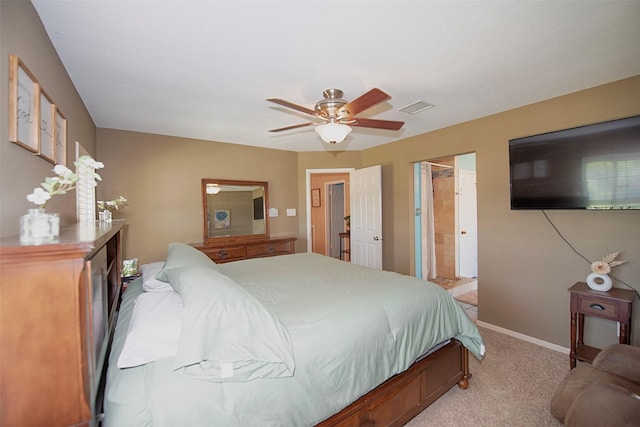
(111, 205)
(605, 265)
(65, 181)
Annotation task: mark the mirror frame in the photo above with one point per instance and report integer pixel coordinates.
(234, 239)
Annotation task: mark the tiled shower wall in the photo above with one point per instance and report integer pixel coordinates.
(444, 218)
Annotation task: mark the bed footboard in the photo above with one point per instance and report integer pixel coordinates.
(405, 395)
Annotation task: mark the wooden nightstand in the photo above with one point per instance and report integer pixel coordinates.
(612, 305)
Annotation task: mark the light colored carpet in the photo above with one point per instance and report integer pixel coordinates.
(470, 297)
(511, 386)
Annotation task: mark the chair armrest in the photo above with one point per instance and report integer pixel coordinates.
(604, 404)
(620, 359)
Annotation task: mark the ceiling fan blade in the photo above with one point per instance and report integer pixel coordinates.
(293, 127)
(291, 105)
(374, 123)
(364, 102)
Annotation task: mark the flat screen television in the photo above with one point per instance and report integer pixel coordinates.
(258, 208)
(589, 167)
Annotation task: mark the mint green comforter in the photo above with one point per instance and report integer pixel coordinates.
(351, 328)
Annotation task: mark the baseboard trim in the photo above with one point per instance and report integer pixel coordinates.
(523, 337)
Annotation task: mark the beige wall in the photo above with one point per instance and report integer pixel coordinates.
(22, 33)
(160, 177)
(524, 268)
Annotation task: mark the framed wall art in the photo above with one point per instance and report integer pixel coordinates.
(60, 138)
(315, 197)
(222, 218)
(24, 106)
(47, 127)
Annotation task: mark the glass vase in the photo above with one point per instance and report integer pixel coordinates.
(105, 216)
(37, 227)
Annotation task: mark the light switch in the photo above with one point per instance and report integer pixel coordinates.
(273, 212)
(291, 212)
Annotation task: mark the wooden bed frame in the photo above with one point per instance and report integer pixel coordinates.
(405, 395)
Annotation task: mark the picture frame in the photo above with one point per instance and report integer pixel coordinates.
(315, 197)
(60, 138)
(130, 268)
(24, 106)
(46, 126)
(222, 218)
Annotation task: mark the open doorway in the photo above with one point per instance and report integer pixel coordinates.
(446, 224)
(326, 211)
(363, 240)
(335, 214)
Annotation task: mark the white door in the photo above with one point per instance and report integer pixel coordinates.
(467, 224)
(366, 217)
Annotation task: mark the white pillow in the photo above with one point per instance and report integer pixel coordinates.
(149, 281)
(154, 330)
(181, 255)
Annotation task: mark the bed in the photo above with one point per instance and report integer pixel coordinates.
(292, 340)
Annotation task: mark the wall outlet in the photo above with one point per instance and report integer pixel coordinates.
(291, 212)
(273, 212)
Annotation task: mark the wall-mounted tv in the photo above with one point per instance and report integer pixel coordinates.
(589, 167)
(258, 208)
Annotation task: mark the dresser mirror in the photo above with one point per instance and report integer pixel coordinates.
(235, 211)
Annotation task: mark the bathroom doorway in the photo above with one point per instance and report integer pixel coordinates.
(445, 201)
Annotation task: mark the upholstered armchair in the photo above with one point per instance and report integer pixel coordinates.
(607, 393)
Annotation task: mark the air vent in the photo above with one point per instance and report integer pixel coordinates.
(416, 107)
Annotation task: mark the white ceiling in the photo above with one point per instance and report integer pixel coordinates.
(204, 69)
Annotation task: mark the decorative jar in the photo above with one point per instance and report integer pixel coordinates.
(37, 227)
(599, 282)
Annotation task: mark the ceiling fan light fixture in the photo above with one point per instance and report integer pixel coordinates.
(339, 115)
(333, 133)
(213, 188)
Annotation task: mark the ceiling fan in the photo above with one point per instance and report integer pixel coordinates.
(337, 115)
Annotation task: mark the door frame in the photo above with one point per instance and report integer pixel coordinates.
(308, 173)
(417, 230)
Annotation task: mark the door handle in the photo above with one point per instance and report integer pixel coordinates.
(463, 232)
(376, 238)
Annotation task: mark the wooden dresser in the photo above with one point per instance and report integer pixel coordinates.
(58, 306)
(227, 252)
